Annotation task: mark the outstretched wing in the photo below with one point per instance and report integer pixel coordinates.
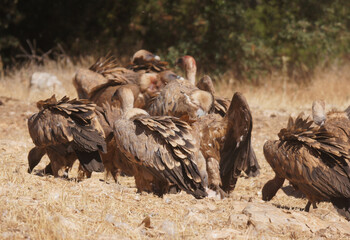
(165, 147)
(237, 153)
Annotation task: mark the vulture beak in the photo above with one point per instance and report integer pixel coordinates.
(156, 57)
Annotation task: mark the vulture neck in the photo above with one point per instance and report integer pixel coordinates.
(127, 106)
(191, 75)
(318, 112)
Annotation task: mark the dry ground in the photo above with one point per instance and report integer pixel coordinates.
(43, 207)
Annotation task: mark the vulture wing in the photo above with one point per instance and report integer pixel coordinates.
(237, 153)
(72, 122)
(165, 147)
(140, 64)
(312, 159)
(108, 67)
(221, 105)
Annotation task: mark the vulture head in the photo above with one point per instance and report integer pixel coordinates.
(151, 83)
(206, 84)
(144, 55)
(188, 65)
(318, 112)
(168, 76)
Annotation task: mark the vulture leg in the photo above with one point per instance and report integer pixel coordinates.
(57, 161)
(307, 207)
(111, 159)
(214, 177)
(34, 157)
(271, 187)
(48, 169)
(314, 205)
(82, 173)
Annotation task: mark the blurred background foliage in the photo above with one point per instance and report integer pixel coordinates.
(248, 38)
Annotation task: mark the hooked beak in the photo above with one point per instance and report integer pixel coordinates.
(180, 78)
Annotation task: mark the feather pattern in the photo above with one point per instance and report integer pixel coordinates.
(315, 159)
(164, 147)
(67, 121)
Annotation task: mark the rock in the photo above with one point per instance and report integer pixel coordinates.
(44, 85)
(264, 217)
(238, 219)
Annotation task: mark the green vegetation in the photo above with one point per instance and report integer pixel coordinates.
(249, 38)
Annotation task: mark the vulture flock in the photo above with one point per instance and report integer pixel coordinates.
(171, 134)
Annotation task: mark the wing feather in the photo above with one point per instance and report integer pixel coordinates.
(144, 140)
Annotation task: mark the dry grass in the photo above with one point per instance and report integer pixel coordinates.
(37, 207)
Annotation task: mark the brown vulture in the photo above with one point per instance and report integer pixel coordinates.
(225, 141)
(66, 130)
(315, 159)
(161, 148)
(226, 145)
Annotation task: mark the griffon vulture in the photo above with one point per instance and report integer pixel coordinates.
(66, 130)
(161, 148)
(315, 159)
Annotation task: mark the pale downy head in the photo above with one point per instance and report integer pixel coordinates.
(188, 65)
(151, 83)
(168, 76)
(319, 112)
(204, 100)
(206, 84)
(145, 56)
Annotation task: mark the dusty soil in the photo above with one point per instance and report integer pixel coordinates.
(33, 206)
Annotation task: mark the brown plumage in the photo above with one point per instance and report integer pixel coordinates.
(104, 69)
(188, 65)
(221, 104)
(113, 160)
(144, 60)
(226, 145)
(181, 99)
(85, 80)
(162, 149)
(315, 159)
(66, 130)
